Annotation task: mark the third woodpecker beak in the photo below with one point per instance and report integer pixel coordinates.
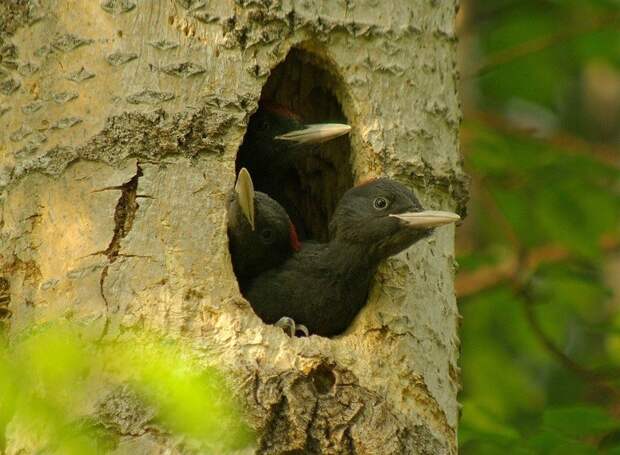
(427, 219)
(316, 134)
(245, 194)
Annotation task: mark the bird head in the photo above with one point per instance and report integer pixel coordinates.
(384, 216)
(260, 232)
(277, 126)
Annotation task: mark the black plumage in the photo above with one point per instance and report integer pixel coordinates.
(275, 142)
(324, 286)
(261, 235)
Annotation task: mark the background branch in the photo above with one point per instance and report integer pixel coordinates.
(598, 380)
(560, 141)
(538, 44)
(483, 278)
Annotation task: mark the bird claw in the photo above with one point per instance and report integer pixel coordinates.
(290, 328)
(286, 324)
(303, 329)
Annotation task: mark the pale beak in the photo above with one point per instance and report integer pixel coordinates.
(427, 219)
(245, 195)
(316, 134)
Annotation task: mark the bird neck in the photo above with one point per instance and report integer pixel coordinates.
(352, 267)
(352, 259)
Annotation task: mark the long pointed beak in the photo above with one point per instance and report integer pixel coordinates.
(316, 134)
(427, 219)
(245, 194)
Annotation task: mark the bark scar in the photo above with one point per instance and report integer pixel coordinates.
(5, 299)
(124, 216)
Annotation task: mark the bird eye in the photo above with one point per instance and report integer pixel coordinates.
(380, 203)
(267, 235)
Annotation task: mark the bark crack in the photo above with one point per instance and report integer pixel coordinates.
(312, 445)
(5, 300)
(276, 412)
(124, 216)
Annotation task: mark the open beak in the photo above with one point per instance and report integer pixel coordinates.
(316, 134)
(427, 219)
(245, 195)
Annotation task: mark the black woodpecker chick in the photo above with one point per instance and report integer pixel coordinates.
(276, 137)
(275, 141)
(260, 233)
(324, 286)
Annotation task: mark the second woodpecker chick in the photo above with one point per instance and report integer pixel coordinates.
(261, 235)
(276, 144)
(276, 138)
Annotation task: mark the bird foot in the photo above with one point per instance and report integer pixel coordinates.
(290, 328)
(286, 324)
(303, 329)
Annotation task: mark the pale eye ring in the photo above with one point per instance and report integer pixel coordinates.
(380, 203)
(267, 235)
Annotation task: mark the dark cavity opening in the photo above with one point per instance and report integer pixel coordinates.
(323, 379)
(307, 180)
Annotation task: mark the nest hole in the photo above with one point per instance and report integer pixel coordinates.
(323, 379)
(313, 178)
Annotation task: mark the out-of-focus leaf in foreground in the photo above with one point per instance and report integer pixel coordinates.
(51, 383)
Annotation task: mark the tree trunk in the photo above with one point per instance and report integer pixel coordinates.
(120, 124)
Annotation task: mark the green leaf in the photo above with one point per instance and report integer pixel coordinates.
(579, 421)
(552, 443)
(561, 220)
(477, 422)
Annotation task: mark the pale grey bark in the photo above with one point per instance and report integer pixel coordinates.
(120, 121)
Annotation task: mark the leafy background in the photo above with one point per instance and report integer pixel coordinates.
(539, 254)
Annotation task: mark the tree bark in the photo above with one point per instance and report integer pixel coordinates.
(120, 123)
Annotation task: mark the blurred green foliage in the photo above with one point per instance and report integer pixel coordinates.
(52, 379)
(541, 346)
